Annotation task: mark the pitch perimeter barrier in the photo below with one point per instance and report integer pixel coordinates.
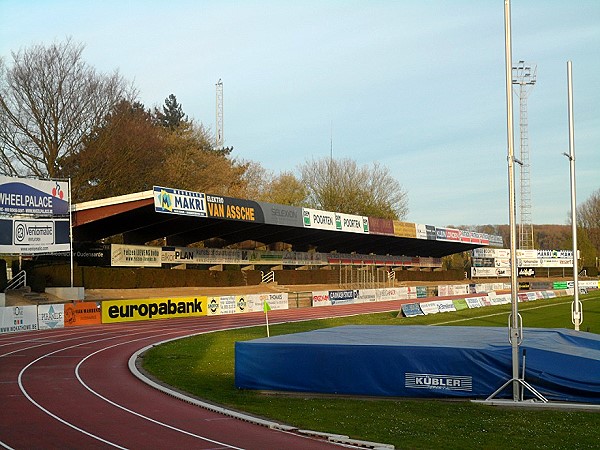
(440, 306)
(59, 315)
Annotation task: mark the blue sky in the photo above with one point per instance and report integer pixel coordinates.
(418, 86)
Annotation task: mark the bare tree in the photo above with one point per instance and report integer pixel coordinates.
(50, 100)
(343, 186)
(588, 218)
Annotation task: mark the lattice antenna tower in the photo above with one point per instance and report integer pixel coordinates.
(524, 76)
(219, 140)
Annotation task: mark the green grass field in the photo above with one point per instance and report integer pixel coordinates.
(204, 366)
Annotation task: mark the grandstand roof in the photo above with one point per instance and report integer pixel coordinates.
(137, 217)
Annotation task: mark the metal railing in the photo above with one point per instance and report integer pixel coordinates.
(268, 277)
(17, 282)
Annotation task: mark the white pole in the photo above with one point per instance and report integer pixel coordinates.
(71, 230)
(514, 331)
(576, 314)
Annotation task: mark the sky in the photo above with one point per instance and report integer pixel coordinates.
(416, 86)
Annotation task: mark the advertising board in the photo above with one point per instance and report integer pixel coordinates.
(33, 196)
(34, 236)
(319, 220)
(381, 226)
(18, 318)
(290, 216)
(82, 313)
(234, 209)
(135, 256)
(405, 229)
(178, 201)
(351, 223)
(51, 316)
(152, 308)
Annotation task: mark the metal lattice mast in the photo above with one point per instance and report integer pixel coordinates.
(524, 76)
(219, 140)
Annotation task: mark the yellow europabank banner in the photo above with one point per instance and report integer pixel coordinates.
(152, 308)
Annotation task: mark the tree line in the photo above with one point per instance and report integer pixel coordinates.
(61, 118)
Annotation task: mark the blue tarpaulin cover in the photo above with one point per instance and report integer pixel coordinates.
(420, 361)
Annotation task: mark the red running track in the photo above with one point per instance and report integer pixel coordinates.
(72, 388)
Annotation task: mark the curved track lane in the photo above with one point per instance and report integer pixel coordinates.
(72, 388)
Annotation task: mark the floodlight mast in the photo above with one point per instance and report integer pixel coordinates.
(524, 76)
(219, 139)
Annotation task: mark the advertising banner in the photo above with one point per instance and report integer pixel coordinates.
(405, 229)
(381, 226)
(319, 220)
(82, 313)
(388, 294)
(484, 272)
(34, 236)
(152, 308)
(568, 254)
(241, 305)
(256, 302)
(483, 262)
(135, 256)
(178, 201)
(365, 296)
(213, 306)
(460, 303)
(290, 216)
(445, 306)
(341, 297)
(556, 262)
(429, 307)
(31, 196)
(320, 298)
(227, 304)
(351, 223)
(421, 231)
(499, 299)
(18, 318)
(526, 272)
(491, 253)
(447, 234)
(91, 254)
(412, 310)
(431, 232)
(51, 316)
(234, 209)
(194, 255)
(474, 302)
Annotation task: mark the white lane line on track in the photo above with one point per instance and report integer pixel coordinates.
(26, 394)
(157, 422)
(73, 426)
(48, 412)
(31, 347)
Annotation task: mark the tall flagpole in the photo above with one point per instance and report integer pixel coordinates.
(515, 331)
(576, 312)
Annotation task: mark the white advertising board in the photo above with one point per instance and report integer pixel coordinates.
(319, 220)
(135, 256)
(51, 316)
(178, 201)
(18, 318)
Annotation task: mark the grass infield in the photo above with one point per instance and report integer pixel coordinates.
(204, 366)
